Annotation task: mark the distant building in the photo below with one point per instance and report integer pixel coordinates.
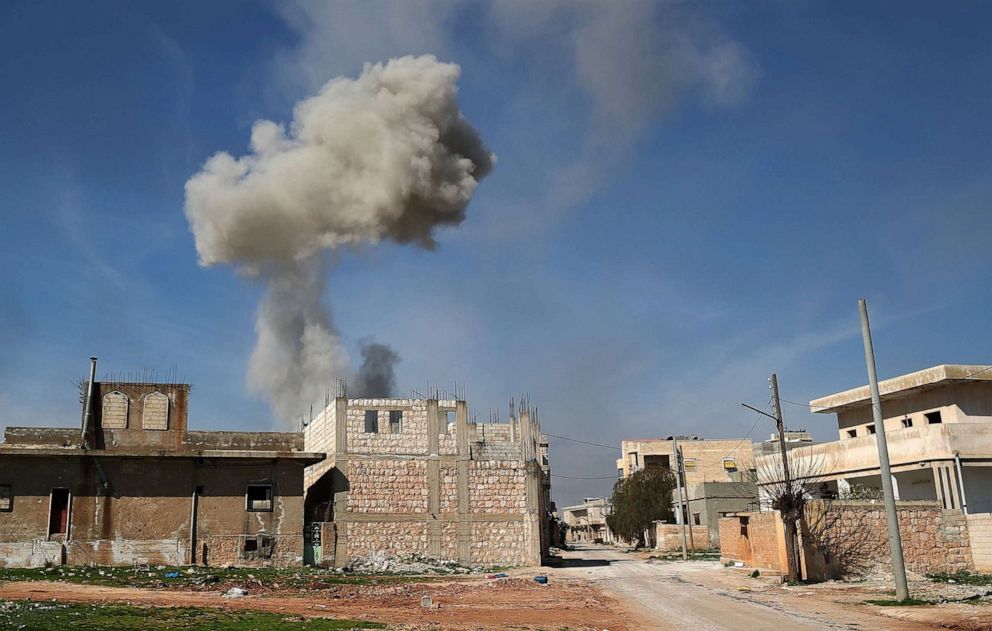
(719, 475)
(587, 521)
(135, 486)
(793, 438)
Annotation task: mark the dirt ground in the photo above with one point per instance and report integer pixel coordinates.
(464, 603)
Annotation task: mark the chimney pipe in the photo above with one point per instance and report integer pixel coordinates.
(88, 404)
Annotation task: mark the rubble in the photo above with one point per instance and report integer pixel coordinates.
(380, 562)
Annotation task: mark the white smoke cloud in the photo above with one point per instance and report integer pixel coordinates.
(386, 156)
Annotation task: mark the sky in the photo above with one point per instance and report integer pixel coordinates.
(687, 197)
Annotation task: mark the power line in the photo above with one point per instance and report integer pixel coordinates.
(584, 442)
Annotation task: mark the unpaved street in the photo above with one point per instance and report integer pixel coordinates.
(700, 595)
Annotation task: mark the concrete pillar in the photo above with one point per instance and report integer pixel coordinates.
(433, 480)
(464, 527)
(341, 479)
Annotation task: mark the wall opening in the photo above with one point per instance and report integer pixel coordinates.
(259, 498)
(58, 515)
(933, 418)
(371, 421)
(6, 498)
(395, 421)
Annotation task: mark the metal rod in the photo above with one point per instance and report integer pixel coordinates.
(957, 465)
(891, 517)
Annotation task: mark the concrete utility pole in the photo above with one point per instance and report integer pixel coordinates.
(891, 517)
(678, 480)
(791, 547)
(780, 425)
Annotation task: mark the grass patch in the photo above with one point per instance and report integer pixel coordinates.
(963, 578)
(201, 577)
(44, 616)
(909, 602)
(698, 555)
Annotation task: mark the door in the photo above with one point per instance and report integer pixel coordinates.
(312, 551)
(58, 515)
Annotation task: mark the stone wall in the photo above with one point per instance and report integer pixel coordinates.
(146, 517)
(454, 490)
(846, 538)
(669, 537)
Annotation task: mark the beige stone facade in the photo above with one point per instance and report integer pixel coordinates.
(414, 476)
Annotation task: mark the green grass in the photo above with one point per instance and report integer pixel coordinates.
(909, 602)
(191, 578)
(963, 578)
(698, 555)
(44, 616)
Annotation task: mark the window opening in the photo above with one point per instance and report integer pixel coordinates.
(259, 498)
(58, 518)
(395, 421)
(371, 421)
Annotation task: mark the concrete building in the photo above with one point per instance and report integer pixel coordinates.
(135, 486)
(415, 476)
(719, 475)
(587, 521)
(793, 438)
(938, 423)
(938, 426)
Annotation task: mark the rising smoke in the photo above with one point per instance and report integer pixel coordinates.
(386, 156)
(377, 375)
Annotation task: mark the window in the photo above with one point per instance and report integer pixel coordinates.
(907, 422)
(58, 516)
(852, 433)
(395, 421)
(371, 421)
(632, 460)
(695, 519)
(155, 411)
(933, 418)
(730, 464)
(259, 498)
(6, 498)
(689, 464)
(656, 462)
(871, 429)
(445, 419)
(113, 415)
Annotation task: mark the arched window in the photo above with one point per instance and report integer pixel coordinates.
(114, 415)
(155, 411)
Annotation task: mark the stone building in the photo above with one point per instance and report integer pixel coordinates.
(938, 427)
(135, 486)
(719, 476)
(408, 476)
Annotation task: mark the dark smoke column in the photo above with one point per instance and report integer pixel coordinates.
(385, 156)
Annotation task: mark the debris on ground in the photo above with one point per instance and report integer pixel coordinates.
(235, 592)
(383, 563)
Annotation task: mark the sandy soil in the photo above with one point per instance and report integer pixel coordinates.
(470, 603)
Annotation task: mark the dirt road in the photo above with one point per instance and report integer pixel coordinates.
(698, 595)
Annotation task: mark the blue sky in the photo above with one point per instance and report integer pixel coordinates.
(687, 198)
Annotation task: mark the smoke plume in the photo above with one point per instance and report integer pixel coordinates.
(376, 377)
(386, 156)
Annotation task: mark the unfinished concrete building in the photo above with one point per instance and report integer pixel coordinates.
(135, 486)
(408, 476)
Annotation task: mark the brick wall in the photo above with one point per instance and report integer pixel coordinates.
(980, 535)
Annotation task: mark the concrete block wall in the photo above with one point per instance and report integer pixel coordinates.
(980, 535)
(464, 491)
(669, 537)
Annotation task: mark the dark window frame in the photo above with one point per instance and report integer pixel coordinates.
(6, 498)
(268, 494)
(907, 422)
(395, 421)
(372, 420)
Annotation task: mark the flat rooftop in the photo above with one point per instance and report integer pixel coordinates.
(902, 386)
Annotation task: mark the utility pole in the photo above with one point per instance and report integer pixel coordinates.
(891, 517)
(678, 479)
(688, 500)
(792, 503)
